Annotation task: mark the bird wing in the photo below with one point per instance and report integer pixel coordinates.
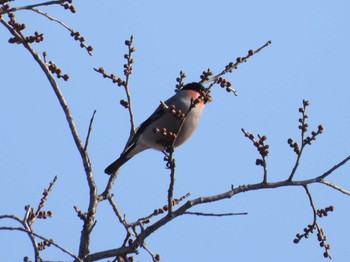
(154, 117)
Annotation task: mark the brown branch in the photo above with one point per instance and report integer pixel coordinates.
(171, 165)
(29, 7)
(231, 66)
(336, 187)
(43, 200)
(127, 73)
(303, 144)
(121, 218)
(89, 131)
(321, 237)
(26, 227)
(303, 126)
(330, 171)
(43, 238)
(84, 248)
(89, 48)
(311, 203)
(199, 201)
(215, 214)
(155, 257)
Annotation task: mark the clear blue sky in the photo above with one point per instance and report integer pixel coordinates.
(309, 58)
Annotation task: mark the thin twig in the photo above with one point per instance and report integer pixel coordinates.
(131, 49)
(87, 48)
(89, 131)
(330, 171)
(336, 187)
(199, 201)
(235, 65)
(27, 227)
(93, 201)
(119, 215)
(215, 214)
(311, 203)
(42, 238)
(154, 257)
(43, 199)
(29, 7)
(172, 182)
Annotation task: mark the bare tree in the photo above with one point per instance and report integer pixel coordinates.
(136, 232)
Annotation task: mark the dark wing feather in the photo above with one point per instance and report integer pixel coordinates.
(155, 116)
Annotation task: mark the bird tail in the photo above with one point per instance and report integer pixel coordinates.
(115, 166)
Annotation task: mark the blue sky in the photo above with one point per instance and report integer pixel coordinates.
(308, 59)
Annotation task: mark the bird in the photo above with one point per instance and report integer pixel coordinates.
(171, 124)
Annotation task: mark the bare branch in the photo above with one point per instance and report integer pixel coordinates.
(43, 238)
(74, 34)
(121, 218)
(215, 214)
(231, 65)
(342, 190)
(127, 73)
(330, 171)
(29, 7)
(89, 223)
(43, 200)
(89, 131)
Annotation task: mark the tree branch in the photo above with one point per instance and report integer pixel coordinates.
(88, 223)
(182, 210)
(43, 238)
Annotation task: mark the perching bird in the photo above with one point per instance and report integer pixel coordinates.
(162, 127)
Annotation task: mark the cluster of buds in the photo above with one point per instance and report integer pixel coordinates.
(165, 208)
(39, 213)
(308, 140)
(14, 24)
(126, 259)
(42, 245)
(303, 126)
(307, 230)
(113, 77)
(36, 38)
(260, 146)
(26, 259)
(321, 237)
(294, 145)
(166, 136)
(124, 103)
(128, 57)
(180, 82)
(54, 69)
(68, 5)
(31, 215)
(205, 76)
(226, 84)
(158, 211)
(82, 215)
(173, 111)
(81, 40)
(4, 7)
(230, 66)
(44, 214)
(28, 39)
(324, 212)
